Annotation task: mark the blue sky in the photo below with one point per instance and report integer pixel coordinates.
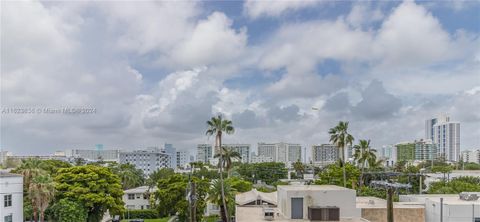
(156, 71)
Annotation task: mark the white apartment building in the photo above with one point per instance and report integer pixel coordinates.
(93, 154)
(324, 154)
(242, 149)
(448, 207)
(11, 197)
(148, 161)
(388, 153)
(446, 135)
(471, 156)
(137, 198)
(204, 152)
(281, 152)
(182, 159)
(261, 159)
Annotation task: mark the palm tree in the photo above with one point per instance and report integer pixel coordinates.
(41, 192)
(216, 126)
(299, 167)
(227, 155)
(30, 169)
(339, 136)
(364, 155)
(215, 196)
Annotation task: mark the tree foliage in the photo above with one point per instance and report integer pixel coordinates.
(456, 185)
(95, 187)
(129, 175)
(333, 174)
(267, 172)
(65, 210)
(239, 184)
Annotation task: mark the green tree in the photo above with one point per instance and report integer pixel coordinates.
(333, 174)
(456, 185)
(269, 172)
(130, 176)
(30, 168)
(41, 191)
(239, 184)
(52, 166)
(341, 138)
(215, 196)
(171, 196)
(299, 168)
(227, 155)
(363, 155)
(217, 126)
(65, 210)
(95, 187)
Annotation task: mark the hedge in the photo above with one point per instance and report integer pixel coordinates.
(141, 214)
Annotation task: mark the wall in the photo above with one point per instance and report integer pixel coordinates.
(399, 214)
(12, 185)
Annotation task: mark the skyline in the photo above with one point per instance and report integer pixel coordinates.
(155, 72)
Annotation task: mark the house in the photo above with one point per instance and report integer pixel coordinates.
(137, 198)
(11, 197)
(256, 198)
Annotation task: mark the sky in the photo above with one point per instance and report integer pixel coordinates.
(155, 72)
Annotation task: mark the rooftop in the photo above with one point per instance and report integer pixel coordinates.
(6, 174)
(253, 195)
(141, 189)
(447, 198)
(255, 214)
(375, 202)
(311, 187)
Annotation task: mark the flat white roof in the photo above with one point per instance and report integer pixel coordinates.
(141, 189)
(311, 187)
(256, 214)
(375, 202)
(447, 198)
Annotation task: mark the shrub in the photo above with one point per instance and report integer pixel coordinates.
(141, 214)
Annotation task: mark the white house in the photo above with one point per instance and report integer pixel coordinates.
(11, 197)
(137, 198)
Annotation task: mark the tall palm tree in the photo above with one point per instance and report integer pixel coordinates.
(299, 167)
(217, 126)
(215, 197)
(41, 192)
(227, 155)
(30, 169)
(339, 136)
(364, 155)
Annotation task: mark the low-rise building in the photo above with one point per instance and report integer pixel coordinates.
(448, 207)
(471, 156)
(375, 210)
(138, 198)
(94, 154)
(148, 161)
(11, 195)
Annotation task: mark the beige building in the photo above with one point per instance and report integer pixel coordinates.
(375, 210)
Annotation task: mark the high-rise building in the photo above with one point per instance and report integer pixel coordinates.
(148, 160)
(94, 154)
(471, 156)
(324, 154)
(170, 150)
(281, 152)
(425, 150)
(388, 154)
(446, 135)
(204, 152)
(242, 149)
(405, 151)
(182, 159)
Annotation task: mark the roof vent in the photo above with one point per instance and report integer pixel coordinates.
(469, 196)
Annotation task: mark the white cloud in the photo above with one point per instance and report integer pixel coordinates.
(257, 8)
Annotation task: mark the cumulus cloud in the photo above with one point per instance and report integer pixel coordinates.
(255, 9)
(376, 102)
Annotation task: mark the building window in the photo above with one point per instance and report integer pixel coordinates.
(7, 200)
(8, 218)
(131, 196)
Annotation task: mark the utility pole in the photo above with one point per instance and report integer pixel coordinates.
(390, 192)
(441, 209)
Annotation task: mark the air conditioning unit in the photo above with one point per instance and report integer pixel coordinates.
(327, 213)
(469, 196)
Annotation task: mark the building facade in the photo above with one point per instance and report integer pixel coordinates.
(405, 151)
(388, 154)
(204, 152)
(446, 135)
(261, 159)
(242, 149)
(182, 159)
(11, 197)
(471, 156)
(94, 154)
(147, 160)
(138, 198)
(324, 154)
(281, 152)
(425, 150)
